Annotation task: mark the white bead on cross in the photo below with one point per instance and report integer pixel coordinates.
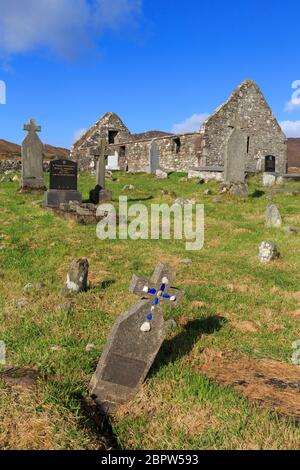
(32, 127)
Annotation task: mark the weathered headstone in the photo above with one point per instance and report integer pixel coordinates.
(268, 251)
(154, 157)
(32, 159)
(77, 277)
(100, 194)
(273, 217)
(134, 341)
(235, 157)
(63, 183)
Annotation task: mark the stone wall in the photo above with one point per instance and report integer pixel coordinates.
(248, 110)
(10, 165)
(177, 153)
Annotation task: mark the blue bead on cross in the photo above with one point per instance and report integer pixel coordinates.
(159, 289)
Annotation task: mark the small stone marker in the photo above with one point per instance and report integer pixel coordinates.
(134, 341)
(273, 217)
(268, 251)
(77, 276)
(268, 180)
(32, 159)
(63, 183)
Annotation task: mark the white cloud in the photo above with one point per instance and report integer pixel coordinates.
(64, 26)
(291, 106)
(191, 124)
(291, 128)
(78, 134)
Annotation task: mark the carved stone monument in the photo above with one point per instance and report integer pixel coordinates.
(63, 183)
(236, 153)
(100, 194)
(32, 159)
(134, 341)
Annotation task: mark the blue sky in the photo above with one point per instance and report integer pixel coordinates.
(159, 64)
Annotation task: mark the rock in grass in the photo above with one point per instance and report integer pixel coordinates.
(35, 286)
(77, 277)
(90, 347)
(22, 303)
(207, 192)
(186, 261)
(128, 187)
(170, 325)
(239, 190)
(273, 217)
(268, 251)
(183, 202)
(217, 200)
(163, 175)
(290, 230)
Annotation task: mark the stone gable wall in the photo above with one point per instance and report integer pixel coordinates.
(80, 151)
(248, 109)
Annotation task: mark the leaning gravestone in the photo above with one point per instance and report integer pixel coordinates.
(63, 183)
(235, 157)
(32, 159)
(134, 341)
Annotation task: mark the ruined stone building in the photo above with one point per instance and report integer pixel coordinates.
(264, 147)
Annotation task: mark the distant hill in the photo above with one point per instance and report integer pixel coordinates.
(9, 150)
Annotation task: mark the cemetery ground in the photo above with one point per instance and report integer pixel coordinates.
(235, 310)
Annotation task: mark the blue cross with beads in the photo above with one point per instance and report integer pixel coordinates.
(158, 289)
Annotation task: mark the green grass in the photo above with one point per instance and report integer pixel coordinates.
(177, 408)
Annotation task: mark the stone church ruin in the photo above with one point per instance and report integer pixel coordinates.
(241, 137)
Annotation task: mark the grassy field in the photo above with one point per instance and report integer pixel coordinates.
(177, 408)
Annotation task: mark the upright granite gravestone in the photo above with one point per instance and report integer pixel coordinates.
(235, 157)
(134, 341)
(99, 194)
(63, 183)
(32, 159)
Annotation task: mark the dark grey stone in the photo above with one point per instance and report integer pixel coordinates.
(63, 174)
(55, 197)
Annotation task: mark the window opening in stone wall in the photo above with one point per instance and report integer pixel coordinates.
(112, 136)
(177, 143)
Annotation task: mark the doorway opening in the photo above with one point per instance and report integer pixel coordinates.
(270, 164)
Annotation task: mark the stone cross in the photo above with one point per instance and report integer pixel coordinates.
(135, 340)
(100, 154)
(32, 158)
(159, 288)
(32, 127)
